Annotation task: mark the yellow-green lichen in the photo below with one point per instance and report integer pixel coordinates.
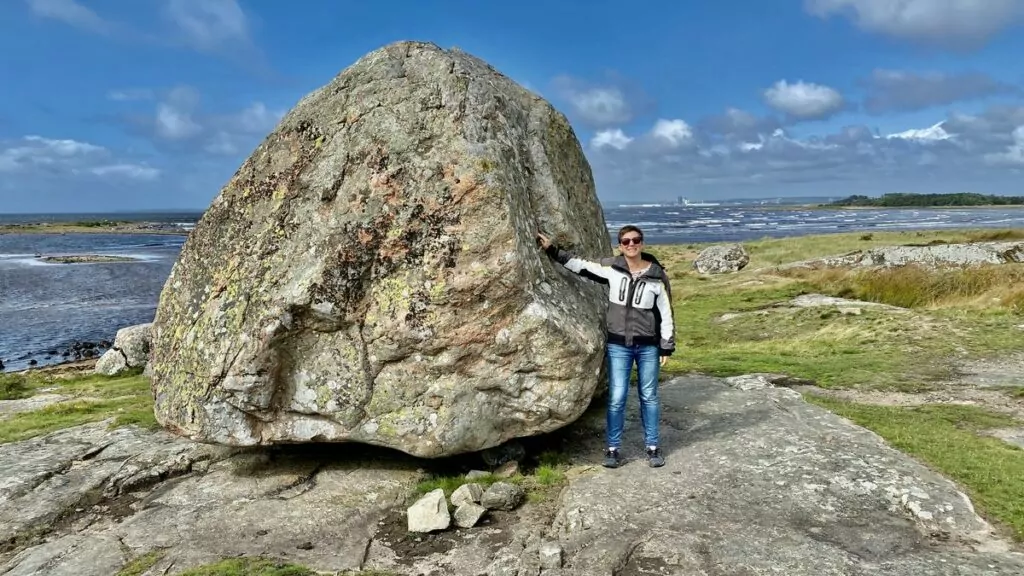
(392, 297)
(436, 291)
(324, 394)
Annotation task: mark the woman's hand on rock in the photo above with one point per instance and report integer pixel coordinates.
(545, 242)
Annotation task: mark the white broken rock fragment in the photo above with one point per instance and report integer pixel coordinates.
(467, 494)
(429, 513)
(468, 514)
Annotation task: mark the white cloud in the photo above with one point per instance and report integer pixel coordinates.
(933, 21)
(71, 13)
(256, 119)
(209, 24)
(930, 134)
(174, 115)
(175, 124)
(599, 105)
(675, 132)
(977, 152)
(38, 155)
(134, 171)
(615, 138)
(130, 94)
(804, 100)
(63, 147)
(179, 122)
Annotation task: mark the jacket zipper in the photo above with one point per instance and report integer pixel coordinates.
(629, 306)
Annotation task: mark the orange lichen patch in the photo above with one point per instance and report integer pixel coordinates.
(365, 237)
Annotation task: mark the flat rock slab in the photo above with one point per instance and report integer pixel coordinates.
(9, 408)
(757, 482)
(760, 482)
(968, 254)
(86, 500)
(999, 373)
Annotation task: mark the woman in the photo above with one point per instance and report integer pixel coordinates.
(640, 331)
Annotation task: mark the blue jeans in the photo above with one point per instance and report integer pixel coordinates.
(620, 365)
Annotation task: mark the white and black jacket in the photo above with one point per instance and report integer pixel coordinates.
(639, 311)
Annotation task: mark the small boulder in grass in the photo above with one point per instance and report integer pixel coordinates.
(502, 496)
(429, 513)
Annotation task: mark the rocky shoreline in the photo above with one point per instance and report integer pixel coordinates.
(68, 355)
(85, 259)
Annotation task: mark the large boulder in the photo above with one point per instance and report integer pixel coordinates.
(371, 272)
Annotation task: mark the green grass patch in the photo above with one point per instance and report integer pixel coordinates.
(870, 350)
(947, 438)
(451, 483)
(14, 387)
(141, 564)
(250, 567)
(126, 399)
(953, 313)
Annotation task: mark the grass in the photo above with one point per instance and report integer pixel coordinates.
(127, 399)
(542, 477)
(450, 483)
(947, 438)
(14, 387)
(249, 567)
(141, 564)
(952, 312)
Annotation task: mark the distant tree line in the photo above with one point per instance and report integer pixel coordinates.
(923, 200)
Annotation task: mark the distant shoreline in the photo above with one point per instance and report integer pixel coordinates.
(830, 207)
(90, 228)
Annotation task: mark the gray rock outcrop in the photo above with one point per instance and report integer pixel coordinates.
(130, 350)
(933, 255)
(370, 274)
(721, 259)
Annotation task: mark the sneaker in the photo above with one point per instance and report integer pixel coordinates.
(654, 458)
(612, 459)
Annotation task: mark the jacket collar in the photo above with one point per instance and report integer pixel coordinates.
(654, 271)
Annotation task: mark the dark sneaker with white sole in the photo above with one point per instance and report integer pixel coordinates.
(612, 459)
(654, 458)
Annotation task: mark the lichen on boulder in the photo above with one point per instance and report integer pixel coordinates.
(370, 273)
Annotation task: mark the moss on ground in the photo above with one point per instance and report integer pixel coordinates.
(250, 567)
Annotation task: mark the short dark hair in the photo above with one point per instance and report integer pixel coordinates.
(630, 228)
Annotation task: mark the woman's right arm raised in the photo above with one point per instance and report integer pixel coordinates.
(593, 270)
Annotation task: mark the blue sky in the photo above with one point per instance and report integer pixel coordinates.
(141, 104)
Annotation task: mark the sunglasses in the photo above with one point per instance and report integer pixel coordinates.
(634, 241)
